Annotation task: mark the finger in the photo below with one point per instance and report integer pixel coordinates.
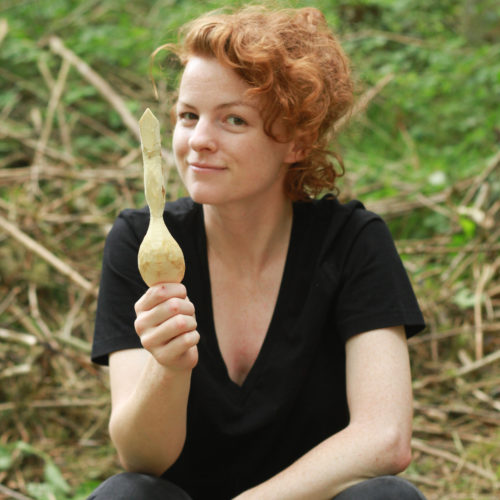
(159, 293)
(170, 329)
(179, 350)
(161, 313)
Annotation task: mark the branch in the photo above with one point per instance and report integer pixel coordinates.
(362, 103)
(45, 254)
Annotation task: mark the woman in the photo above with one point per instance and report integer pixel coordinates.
(285, 374)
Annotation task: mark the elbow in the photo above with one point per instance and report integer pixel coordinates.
(143, 465)
(150, 470)
(135, 456)
(395, 451)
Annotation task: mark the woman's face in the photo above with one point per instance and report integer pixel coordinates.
(221, 150)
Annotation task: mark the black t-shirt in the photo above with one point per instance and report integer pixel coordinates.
(342, 277)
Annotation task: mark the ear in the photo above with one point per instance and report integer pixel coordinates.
(299, 148)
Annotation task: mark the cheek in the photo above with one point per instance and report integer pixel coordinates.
(179, 151)
(179, 142)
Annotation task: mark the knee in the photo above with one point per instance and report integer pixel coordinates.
(127, 485)
(397, 488)
(382, 488)
(122, 486)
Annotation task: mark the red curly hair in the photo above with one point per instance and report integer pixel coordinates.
(292, 60)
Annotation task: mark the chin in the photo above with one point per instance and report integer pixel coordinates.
(208, 196)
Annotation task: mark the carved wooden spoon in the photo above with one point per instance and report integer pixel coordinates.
(160, 258)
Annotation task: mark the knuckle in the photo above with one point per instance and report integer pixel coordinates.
(162, 292)
(194, 338)
(174, 306)
(138, 325)
(190, 307)
(187, 340)
(147, 342)
(181, 322)
(138, 306)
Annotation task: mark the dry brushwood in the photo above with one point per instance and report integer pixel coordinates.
(53, 222)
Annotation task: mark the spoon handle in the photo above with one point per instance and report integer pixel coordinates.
(154, 186)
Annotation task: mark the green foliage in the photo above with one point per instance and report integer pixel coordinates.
(442, 103)
(54, 485)
(439, 112)
(435, 123)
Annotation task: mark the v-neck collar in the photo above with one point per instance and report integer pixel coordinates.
(265, 353)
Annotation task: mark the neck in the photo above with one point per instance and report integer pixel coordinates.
(248, 239)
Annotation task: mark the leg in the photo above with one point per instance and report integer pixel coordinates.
(382, 488)
(129, 485)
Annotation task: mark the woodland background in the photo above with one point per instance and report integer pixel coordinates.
(423, 150)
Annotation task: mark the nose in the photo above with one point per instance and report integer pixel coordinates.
(203, 136)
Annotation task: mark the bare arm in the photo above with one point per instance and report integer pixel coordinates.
(377, 439)
(150, 387)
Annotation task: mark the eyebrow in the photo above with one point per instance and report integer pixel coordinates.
(224, 105)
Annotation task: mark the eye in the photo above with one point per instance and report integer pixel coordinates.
(187, 116)
(235, 120)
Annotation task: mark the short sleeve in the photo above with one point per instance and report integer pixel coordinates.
(121, 286)
(375, 290)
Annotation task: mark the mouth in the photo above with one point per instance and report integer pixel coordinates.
(205, 167)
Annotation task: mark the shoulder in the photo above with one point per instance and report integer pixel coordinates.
(329, 209)
(339, 223)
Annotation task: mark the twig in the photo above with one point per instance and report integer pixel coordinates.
(57, 46)
(60, 403)
(74, 342)
(35, 311)
(476, 365)
(22, 338)
(70, 318)
(400, 205)
(4, 29)
(55, 97)
(429, 337)
(492, 164)
(28, 324)
(430, 450)
(487, 273)
(7, 128)
(61, 115)
(12, 494)
(67, 197)
(79, 219)
(394, 37)
(9, 298)
(16, 370)
(362, 103)
(21, 174)
(415, 478)
(485, 398)
(45, 254)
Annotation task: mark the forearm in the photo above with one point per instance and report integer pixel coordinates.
(148, 429)
(350, 456)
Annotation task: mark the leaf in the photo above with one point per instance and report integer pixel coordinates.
(40, 491)
(28, 448)
(468, 227)
(5, 457)
(84, 490)
(54, 477)
(464, 298)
